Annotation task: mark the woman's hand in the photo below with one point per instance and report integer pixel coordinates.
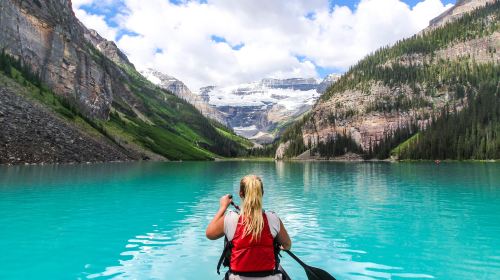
(225, 201)
(215, 229)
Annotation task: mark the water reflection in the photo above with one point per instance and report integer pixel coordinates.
(147, 221)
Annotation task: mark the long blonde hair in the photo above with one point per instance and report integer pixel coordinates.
(252, 190)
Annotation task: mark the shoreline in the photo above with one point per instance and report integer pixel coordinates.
(260, 160)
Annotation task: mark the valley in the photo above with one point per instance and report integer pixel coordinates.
(380, 108)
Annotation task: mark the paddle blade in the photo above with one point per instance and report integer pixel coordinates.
(314, 273)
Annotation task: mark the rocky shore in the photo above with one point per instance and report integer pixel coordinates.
(31, 134)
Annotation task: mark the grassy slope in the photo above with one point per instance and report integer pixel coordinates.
(170, 127)
(404, 145)
(167, 125)
(236, 138)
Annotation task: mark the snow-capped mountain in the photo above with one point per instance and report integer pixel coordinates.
(178, 88)
(258, 110)
(255, 110)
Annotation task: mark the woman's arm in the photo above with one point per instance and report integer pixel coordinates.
(283, 238)
(215, 229)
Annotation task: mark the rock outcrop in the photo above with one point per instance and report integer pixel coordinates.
(461, 7)
(46, 36)
(280, 151)
(108, 48)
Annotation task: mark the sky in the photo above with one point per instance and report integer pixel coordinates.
(227, 42)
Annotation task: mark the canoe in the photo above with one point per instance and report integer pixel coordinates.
(285, 275)
(283, 272)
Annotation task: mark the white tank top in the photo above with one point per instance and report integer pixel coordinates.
(231, 221)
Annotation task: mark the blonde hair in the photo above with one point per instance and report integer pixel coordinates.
(252, 190)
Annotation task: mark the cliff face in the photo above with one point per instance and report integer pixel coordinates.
(410, 81)
(94, 79)
(461, 7)
(46, 35)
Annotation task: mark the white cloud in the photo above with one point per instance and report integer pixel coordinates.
(177, 39)
(97, 23)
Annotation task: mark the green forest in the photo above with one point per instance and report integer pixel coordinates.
(453, 132)
(471, 133)
(479, 23)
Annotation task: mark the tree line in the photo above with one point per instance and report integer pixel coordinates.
(470, 133)
(479, 23)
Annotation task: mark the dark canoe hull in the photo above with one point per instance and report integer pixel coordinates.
(285, 275)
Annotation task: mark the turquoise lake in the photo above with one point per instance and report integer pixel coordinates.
(147, 220)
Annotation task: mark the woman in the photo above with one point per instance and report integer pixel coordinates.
(252, 234)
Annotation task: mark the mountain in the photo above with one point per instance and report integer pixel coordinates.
(254, 110)
(461, 7)
(398, 92)
(57, 68)
(260, 110)
(327, 82)
(178, 88)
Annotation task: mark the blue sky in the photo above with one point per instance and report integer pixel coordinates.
(227, 41)
(110, 11)
(114, 9)
(352, 4)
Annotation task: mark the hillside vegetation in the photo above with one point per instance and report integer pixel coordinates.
(419, 85)
(89, 82)
(169, 126)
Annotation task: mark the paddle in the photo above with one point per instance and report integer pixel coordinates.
(313, 273)
(232, 203)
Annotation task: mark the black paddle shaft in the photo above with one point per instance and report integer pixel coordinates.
(313, 273)
(232, 203)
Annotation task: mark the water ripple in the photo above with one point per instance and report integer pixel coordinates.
(147, 221)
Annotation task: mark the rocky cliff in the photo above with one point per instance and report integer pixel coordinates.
(47, 36)
(461, 7)
(408, 82)
(97, 81)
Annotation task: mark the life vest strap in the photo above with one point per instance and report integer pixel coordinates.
(225, 254)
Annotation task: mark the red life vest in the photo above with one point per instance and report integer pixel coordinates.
(252, 256)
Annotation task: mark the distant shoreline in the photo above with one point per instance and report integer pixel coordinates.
(361, 160)
(261, 159)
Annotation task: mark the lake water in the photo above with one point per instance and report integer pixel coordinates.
(147, 220)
